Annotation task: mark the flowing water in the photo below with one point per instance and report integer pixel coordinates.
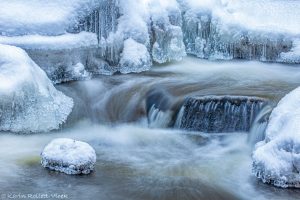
(137, 160)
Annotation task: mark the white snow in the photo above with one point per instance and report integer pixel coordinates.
(28, 100)
(65, 41)
(277, 159)
(256, 15)
(69, 156)
(19, 17)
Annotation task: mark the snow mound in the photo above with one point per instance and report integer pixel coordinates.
(276, 160)
(29, 102)
(69, 156)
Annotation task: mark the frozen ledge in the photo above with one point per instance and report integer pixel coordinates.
(61, 42)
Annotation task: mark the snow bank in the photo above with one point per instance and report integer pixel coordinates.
(69, 156)
(29, 102)
(277, 159)
(19, 17)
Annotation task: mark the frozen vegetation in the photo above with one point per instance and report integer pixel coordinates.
(69, 156)
(164, 31)
(28, 100)
(277, 158)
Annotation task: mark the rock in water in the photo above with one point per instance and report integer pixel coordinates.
(217, 114)
(28, 100)
(276, 160)
(69, 156)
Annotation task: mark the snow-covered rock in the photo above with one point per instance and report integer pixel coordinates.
(28, 100)
(276, 160)
(69, 156)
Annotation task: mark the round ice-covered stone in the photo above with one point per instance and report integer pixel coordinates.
(69, 156)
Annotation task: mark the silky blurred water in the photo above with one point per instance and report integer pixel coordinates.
(138, 162)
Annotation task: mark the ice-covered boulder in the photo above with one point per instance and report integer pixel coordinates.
(64, 57)
(135, 57)
(28, 100)
(276, 160)
(69, 156)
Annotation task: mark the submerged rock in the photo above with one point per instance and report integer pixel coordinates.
(276, 160)
(216, 114)
(69, 156)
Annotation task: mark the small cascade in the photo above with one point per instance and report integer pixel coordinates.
(219, 114)
(158, 118)
(161, 108)
(257, 131)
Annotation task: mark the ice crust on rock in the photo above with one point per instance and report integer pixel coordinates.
(276, 160)
(69, 156)
(29, 102)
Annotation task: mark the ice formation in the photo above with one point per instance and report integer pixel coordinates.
(264, 30)
(29, 102)
(69, 156)
(218, 114)
(276, 160)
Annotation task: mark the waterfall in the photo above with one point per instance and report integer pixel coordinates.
(257, 131)
(158, 118)
(216, 114)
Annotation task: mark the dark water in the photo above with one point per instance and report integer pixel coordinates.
(138, 162)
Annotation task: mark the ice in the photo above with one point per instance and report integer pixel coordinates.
(212, 29)
(228, 29)
(276, 160)
(29, 102)
(293, 55)
(156, 24)
(167, 36)
(135, 57)
(69, 156)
